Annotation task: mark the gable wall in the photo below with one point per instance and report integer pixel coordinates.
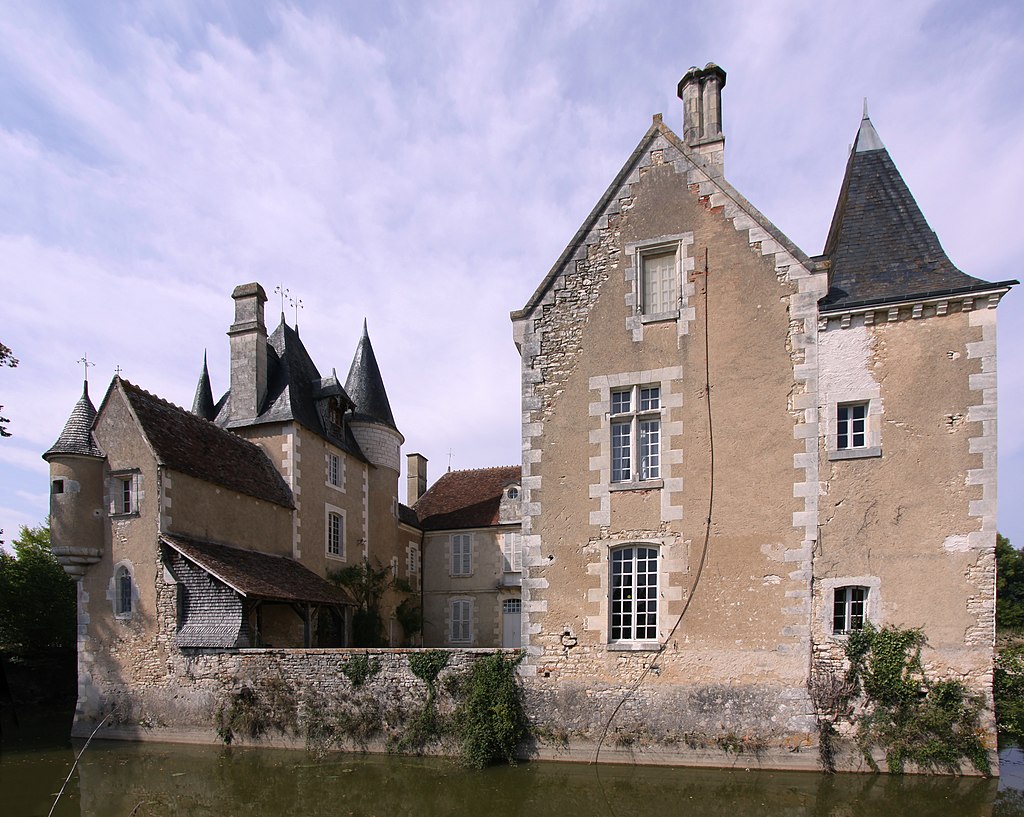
(747, 625)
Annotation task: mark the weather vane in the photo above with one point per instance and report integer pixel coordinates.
(449, 459)
(297, 304)
(117, 370)
(86, 363)
(282, 290)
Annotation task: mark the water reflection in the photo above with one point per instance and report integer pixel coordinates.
(157, 779)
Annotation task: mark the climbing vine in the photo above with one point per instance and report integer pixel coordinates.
(934, 724)
(1008, 690)
(359, 669)
(489, 720)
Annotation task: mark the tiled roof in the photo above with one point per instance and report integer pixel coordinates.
(466, 499)
(366, 387)
(259, 575)
(76, 438)
(293, 383)
(199, 448)
(879, 245)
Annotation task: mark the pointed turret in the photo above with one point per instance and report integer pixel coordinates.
(371, 421)
(879, 246)
(76, 439)
(366, 387)
(76, 491)
(202, 404)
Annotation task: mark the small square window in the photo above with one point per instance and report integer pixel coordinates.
(57, 486)
(851, 426)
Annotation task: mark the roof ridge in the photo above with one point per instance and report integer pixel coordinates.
(484, 468)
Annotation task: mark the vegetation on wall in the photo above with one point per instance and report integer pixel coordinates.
(478, 712)
(489, 720)
(934, 724)
(359, 669)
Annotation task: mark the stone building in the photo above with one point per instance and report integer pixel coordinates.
(734, 454)
(216, 528)
(472, 555)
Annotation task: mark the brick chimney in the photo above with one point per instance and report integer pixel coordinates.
(701, 92)
(416, 476)
(248, 353)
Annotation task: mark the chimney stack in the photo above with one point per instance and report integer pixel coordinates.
(701, 92)
(416, 476)
(248, 353)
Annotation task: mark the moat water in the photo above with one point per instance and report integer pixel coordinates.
(146, 779)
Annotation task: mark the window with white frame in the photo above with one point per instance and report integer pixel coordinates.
(849, 609)
(851, 426)
(512, 553)
(462, 554)
(124, 493)
(334, 470)
(659, 282)
(336, 534)
(123, 591)
(636, 433)
(634, 596)
(461, 621)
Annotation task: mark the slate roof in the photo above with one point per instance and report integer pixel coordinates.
(197, 447)
(466, 499)
(76, 438)
(293, 386)
(366, 387)
(880, 247)
(202, 403)
(407, 515)
(258, 575)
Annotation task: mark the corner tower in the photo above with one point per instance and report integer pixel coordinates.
(372, 422)
(76, 491)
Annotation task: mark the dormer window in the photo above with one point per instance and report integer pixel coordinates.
(512, 492)
(334, 414)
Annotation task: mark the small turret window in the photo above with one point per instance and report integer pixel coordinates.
(57, 486)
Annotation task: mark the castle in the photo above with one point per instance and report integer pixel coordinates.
(734, 455)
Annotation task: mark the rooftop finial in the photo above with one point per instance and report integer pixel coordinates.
(86, 363)
(865, 109)
(281, 290)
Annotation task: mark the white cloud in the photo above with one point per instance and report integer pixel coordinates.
(423, 166)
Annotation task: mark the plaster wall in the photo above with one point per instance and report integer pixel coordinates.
(486, 587)
(907, 523)
(747, 624)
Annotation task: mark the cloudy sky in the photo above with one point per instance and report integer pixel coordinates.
(423, 164)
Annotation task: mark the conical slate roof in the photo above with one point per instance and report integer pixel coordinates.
(366, 387)
(76, 438)
(202, 405)
(879, 245)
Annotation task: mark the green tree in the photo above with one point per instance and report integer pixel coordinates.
(37, 598)
(9, 360)
(367, 584)
(1009, 585)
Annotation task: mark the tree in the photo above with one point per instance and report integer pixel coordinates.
(1009, 585)
(9, 360)
(367, 584)
(37, 598)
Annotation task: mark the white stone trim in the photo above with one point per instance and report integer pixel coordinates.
(328, 510)
(634, 253)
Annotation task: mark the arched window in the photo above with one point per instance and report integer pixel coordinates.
(634, 598)
(123, 591)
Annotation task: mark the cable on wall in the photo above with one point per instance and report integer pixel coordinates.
(707, 525)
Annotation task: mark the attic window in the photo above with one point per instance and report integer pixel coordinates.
(334, 413)
(512, 493)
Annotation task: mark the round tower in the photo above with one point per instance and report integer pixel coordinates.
(372, 423)
(76, 491)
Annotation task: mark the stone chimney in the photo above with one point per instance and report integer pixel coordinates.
(248, 353)
(417, 477)
(701, 92)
